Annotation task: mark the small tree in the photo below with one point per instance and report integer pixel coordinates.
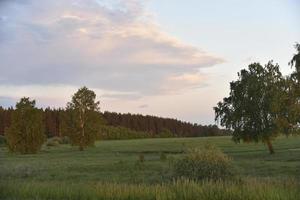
(254, 108)
(26, 132)
(83, 119)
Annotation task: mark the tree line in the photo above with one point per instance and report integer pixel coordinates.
(146, 126)
(158, 126)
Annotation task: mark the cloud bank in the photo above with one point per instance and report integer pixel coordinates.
(113, 46)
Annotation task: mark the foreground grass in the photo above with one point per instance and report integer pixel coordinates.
(183, 189)
(111, 170)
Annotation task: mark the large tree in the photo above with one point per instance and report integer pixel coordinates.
(26, 132)
(296, 62)
(293, 92)
(83, 119)
(254, 109)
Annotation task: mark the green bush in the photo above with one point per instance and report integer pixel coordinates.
(2, 140)
(65, 140)
(52, 142)
(56, 139)
(208, 163)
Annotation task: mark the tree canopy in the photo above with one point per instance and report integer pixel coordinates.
(26, 132)
(296, 61)
(82, 120)
(254, 108)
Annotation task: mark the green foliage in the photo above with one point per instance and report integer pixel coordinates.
(82, 118)
(26, 133)
(2, 140)
(52, 142)
(253, 108)
(292, 95)
(65, 140)
(207, 163)
(296, 62)
(161, 127)
(119, 133)
(56, 141)
(166, 133)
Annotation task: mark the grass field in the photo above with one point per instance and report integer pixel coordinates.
(115, 164)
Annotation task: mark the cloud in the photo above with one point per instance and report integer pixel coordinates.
(144, 106)
(109, 45)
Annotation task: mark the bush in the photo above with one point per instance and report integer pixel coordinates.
(2, 140)
(56, 139)
(208, 163)
(65, 140)
(52, 142)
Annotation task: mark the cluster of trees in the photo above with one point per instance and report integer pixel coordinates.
(80, 122)
(262, 103)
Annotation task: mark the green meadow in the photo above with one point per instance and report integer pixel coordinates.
(114, 170)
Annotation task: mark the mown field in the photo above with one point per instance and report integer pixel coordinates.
(112, 170)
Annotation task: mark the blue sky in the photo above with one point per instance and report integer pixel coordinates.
(168, 58)
(238, 30)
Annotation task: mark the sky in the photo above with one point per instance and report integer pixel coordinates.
(168, 58)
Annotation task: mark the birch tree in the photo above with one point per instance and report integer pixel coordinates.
(83, 119)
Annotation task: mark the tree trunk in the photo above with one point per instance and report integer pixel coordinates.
(82, 132)
(270, 146)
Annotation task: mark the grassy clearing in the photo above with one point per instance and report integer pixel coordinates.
(113, 168)
(116, 161)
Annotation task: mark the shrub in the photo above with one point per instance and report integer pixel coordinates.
(2, 140)
(56, 139)
(65, 140)
(208, 163)
(52, 142)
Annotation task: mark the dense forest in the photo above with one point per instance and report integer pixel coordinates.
(160, 126)
(132, 125)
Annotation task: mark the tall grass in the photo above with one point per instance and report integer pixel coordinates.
(249, 189)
